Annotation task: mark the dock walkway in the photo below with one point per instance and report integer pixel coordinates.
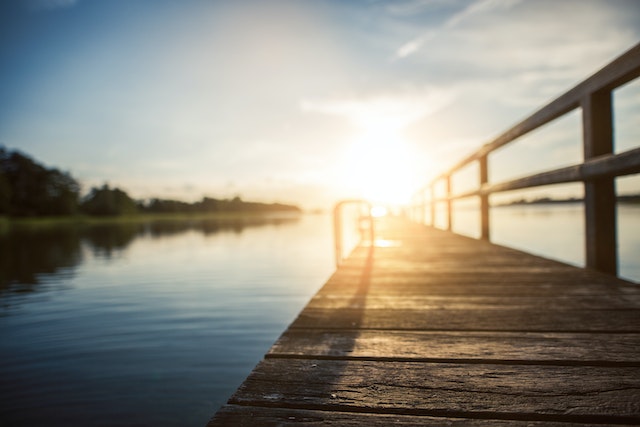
(431, 328)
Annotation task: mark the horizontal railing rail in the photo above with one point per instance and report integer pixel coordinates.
(597, 172)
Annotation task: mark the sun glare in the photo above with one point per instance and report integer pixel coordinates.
(378, 211)
(379, 164)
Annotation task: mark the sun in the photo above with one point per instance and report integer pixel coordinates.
(379, 164)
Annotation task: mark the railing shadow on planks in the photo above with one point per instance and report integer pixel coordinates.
(597, 172)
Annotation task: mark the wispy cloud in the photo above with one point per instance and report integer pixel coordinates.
(530, 50)
(398, 109)
(476, 8)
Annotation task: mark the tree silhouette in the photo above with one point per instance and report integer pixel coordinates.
(108, 202)
(30, 189)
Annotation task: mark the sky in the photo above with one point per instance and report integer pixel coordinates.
(300, 101)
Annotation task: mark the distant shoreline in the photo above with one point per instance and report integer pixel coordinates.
(625, 199)
(238, 216)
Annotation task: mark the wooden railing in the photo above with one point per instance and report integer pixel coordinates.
(364, 221)
(597, 172)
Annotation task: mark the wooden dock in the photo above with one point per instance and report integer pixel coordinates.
(432, 328)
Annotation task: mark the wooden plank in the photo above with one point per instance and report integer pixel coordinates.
(525, 320)
(537, 393)
(429, 328)
(399, 286)
(451, 259)
(251, 416)
(437, 282)
(436, 270)
(461, 262)
(329, 300)
(472, 347)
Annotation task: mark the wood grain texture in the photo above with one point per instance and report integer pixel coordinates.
(447, 389)
(251, 416)
(329, 300)
(505, 319)
(430, 328)
(505, 347)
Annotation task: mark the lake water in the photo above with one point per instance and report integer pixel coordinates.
(555, 231)
(144, 325)
(157, 324)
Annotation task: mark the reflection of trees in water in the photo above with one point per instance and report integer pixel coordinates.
(210, 226)
(167, 228)
(28, 252)
(104, 239)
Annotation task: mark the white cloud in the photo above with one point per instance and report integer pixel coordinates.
(480, 7)
(414, 45)
(522, 55)
(475, 8)
(201, 95)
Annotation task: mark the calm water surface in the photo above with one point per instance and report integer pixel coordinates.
(147, 324)
(555, 231)
(158, 324)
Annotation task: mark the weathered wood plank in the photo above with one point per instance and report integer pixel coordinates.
(461, 269)
(472, 302)
(407, 287)
(451, 271)
(431, 328)
(506, 347)
(507, 319)
(486, 271)
(251, 416)
(551, 393)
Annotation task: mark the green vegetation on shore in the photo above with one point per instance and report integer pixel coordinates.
(30, 190)
(6, 223)
(627, 199)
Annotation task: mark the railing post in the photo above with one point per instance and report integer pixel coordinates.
(449, 203)
(433, 204)
(423, 206)
(337, 225)
(599, 194)
(484, 199)
(337, 233)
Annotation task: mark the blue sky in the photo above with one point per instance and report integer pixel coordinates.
(298, 101)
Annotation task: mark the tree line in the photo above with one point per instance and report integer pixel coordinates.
(29, 189)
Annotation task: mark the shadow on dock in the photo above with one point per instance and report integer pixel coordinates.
(435, 329)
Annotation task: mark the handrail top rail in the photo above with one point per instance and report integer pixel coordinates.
(621, 70)
(625, 163)
(598, 169)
